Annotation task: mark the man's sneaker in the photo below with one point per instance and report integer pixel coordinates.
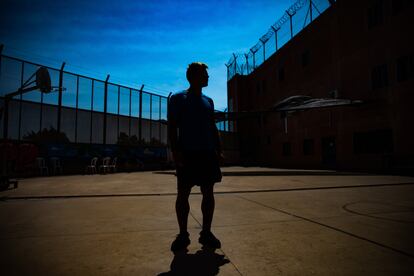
(208, 239)
(181, 242)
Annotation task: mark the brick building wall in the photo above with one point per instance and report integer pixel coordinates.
(356, 50)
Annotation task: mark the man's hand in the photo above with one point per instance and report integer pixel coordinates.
(178, 158)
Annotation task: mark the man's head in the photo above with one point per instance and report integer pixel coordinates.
(197, 74)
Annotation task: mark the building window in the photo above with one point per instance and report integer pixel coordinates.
(281, 74)
(305, 58)
(308, 147)
(376, 14)
(286, 149)
(375, 141)
(379, 76)
(405, 68)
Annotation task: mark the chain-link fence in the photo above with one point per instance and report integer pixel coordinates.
(297, 17)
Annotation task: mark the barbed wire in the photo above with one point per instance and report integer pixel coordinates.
(53, 62)
(236, 68)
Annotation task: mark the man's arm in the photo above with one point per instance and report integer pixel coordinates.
(172, 134)
(172, 131)
(173, 139)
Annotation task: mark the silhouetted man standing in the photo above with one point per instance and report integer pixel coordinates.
(195, 145)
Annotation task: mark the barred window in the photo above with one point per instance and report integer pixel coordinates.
(379, 76)
(376, 14)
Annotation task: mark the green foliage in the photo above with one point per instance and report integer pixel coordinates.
(133, 140)
(50, 135)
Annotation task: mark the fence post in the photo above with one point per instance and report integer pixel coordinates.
(226, 122)
(159, 120)
(105, 109)
(129, 120)
(140, 115)
(228, 71)
(60, 96)
(254, 59)
(91, 124)
(168, 103)
(41, 112)
(246, 56)
(77, 107)
(275, 31)
(290, 20)
(117, 117)
(235, 64)
(150, 121)
(20, 103)
(310, 10)
(264, 48)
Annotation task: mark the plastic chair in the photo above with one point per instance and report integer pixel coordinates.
(105, 164)
(113, 165)
(26, 159)
(56, 165)
(41, 165)
(92, 167)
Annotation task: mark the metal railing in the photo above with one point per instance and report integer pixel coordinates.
(88, 111)
(296, 18)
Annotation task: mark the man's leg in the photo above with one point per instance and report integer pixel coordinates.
(207, 205)
(182, 208)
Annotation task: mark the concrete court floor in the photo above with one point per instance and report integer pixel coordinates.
(270, 222)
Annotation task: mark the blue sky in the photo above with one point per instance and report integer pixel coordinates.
(138, 42)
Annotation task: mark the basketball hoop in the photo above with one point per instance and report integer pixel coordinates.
(42, 82)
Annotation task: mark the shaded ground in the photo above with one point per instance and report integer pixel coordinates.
(270, 222)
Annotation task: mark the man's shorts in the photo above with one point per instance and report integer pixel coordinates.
(198, 168)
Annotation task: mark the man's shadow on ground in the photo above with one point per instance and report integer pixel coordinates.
(204, 262)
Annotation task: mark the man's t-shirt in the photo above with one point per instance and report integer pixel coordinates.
(194, 115)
